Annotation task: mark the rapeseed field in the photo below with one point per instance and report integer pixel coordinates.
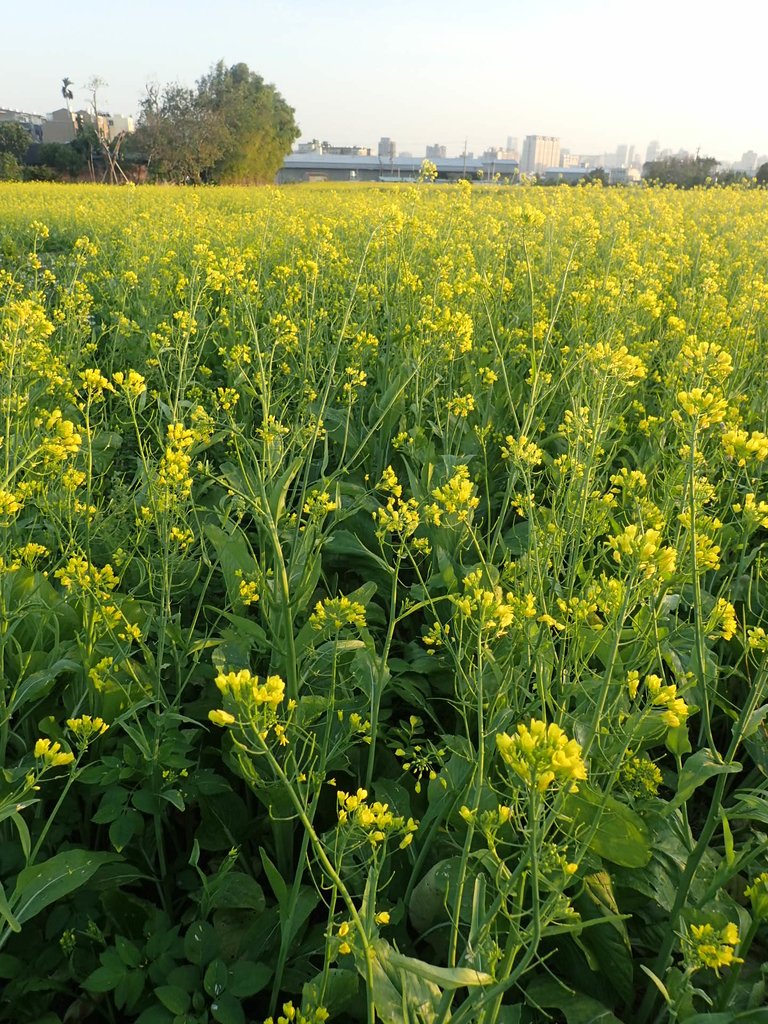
(382, 604)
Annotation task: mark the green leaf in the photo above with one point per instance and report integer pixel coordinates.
(758, 1016)
(200, 943)
(106, 977)
(576, 1007)
(216, 978)
(698, 769)
(155, 1015)
(237, 891)
(42, 884)
(336, 990)
(247, 978)
(39, 684)
(227, 1010)
(614, 831)
(123, 829)
(128, 953)
(24, 836)
(173, 998)
(446, 977)
(6, 912)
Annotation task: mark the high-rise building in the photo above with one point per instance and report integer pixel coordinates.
(652, 152)
(748, 162)
(387, 148)
(539, 152)
(436, 152)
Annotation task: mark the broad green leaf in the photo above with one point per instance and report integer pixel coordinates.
(216, 978)
(236, 890)
(247, 978)
(173, 998)
(612, 830)
(336, 990)
(106, 977)
(42, 884)
(227, 1010)
(698, 769)
(200, 943)
(576, 1007)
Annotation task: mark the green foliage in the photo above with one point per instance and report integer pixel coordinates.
(10, 168)
(14, 140)
(233, 127)
(685, 172)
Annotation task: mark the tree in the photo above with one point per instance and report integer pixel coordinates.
(258, 121)
(761, 177)
(14, 140)
(232, 127)
(10, 168)
(180, 141)
(685, 172)
(66, 159)
(66, 91)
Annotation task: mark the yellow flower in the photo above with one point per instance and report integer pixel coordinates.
(336, 612)
(714, 948)
(541, 754)
(87, 729)
(221, 718)
(51, 754)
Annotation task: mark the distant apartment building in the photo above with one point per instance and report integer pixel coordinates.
(31, 123)
(387, 148)
(436, 152)
(748, 162)
(61, 126)
(539, 152)
(652, 152)
(569, 159)
(316, 146)
(120, 124)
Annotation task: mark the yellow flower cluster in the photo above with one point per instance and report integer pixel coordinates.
(131, 384)
(173, 477)
(757, 894)
(335, 613)
(51, 754)
(455, 501)
(86, 729)
(616, 361)
(676, 711)
(291, 1015)
(398, 517)
(522, 450)
(491, 612)
(642, 550)
(703, 406)
(541, 754)
(745, 447)
(707, 946)
(60, 438)
(376, 820)
(245, 689)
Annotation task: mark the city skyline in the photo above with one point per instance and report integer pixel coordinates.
(583, 72)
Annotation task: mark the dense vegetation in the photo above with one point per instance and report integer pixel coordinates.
(382, 589)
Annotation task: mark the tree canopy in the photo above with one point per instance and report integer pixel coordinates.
(14, 140)
(686, 172)
(232, 127)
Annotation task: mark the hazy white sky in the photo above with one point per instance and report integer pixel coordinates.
(689, 73)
